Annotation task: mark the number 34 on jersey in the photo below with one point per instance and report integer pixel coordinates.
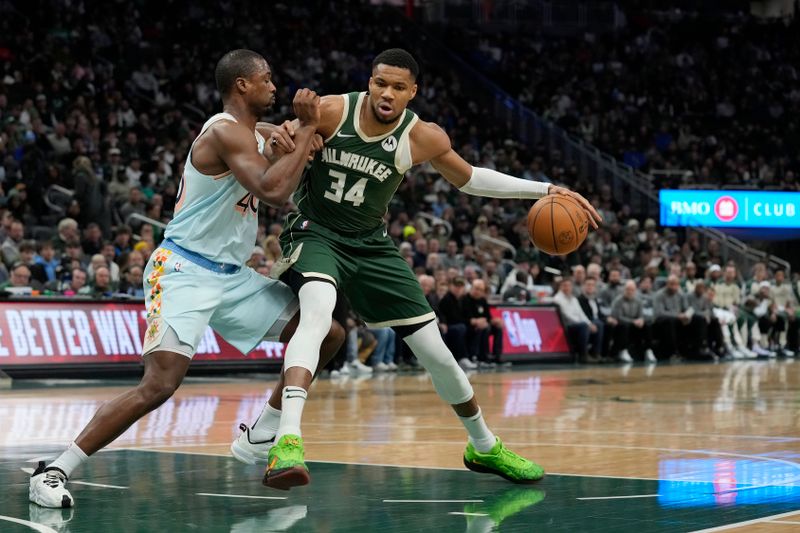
(354, 195)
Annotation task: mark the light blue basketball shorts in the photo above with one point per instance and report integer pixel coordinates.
(243, 307)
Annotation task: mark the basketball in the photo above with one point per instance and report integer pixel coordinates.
(557, 224)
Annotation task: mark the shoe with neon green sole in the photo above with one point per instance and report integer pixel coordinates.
(503, 505)
(286, 467)
(503, 462)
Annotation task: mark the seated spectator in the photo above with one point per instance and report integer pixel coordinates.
(131, 283)
(728, 291)
(122, 240)
(455, 323)
(101, 286)
(480, 325)
(92, 242)
(27, 256)
(771, 322)
(75, 284)
(47, 262)
(711, 332)
(67, 232)
(10, 247)
(594, 311)
(612, 290)
(781, 291)
(689, 278)
(676, 326)
(581, 332)
(20, 276)
(632, 330)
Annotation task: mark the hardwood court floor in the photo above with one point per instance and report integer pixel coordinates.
(670, 448)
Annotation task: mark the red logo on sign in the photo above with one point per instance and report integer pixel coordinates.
(726, 208)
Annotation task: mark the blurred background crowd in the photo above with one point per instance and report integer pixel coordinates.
(99, 103)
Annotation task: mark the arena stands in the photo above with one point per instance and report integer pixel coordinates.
(97, 114)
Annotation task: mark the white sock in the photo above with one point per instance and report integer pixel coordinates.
(266, 426)
(294, 399)
(479, 434)
(72, 458)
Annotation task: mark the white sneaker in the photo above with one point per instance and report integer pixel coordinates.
(649, 356)
(763, 352)
(625, 357)
(48, 488)
(381, 367)
(392, 367)
(345, 370)
(788, 353)
(357, 367)
(248, 452)
(467, 364)
(735, 352)
(335, 374)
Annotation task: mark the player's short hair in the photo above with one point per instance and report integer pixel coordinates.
(397, 57)
(239, 63)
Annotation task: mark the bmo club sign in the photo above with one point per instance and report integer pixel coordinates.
(36, 333)
(734, 209)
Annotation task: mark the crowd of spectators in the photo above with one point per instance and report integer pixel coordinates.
(105, 103)
(717, 96)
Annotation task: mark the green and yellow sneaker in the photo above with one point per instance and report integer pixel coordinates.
(286, 468)
(504, 463)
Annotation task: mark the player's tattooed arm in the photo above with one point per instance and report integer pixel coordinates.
(270, 183)
(431, 143)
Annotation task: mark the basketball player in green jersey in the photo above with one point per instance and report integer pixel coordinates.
(338, 239)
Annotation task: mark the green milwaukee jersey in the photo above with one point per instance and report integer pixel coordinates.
(353, 178)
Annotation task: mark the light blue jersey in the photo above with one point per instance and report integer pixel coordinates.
(214, 215)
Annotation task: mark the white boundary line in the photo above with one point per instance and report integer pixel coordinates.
(32, 525)
(432, 501)
(469, 514)
(619, 497)
(101, 485)
(782, 522)
(30, 471)
(746, 523)
(242, 496)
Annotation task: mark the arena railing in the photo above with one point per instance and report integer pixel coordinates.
(497, 242)
(436, 221)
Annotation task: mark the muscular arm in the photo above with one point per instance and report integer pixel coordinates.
(270, 183)
(331, 108)
(431, 143)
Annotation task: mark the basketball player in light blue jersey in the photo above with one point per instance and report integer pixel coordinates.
(197, 276)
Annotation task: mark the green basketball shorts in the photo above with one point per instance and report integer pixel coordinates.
(366, 267)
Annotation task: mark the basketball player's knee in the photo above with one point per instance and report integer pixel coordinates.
(155, 392)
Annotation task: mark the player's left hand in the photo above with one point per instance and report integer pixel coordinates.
(594, 217)
(281, 138)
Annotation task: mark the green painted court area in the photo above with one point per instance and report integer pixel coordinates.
(147, 492)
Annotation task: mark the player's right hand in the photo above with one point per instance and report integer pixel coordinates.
(306, 107)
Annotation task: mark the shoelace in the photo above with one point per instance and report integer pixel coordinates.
(514, 460)
(54, 479)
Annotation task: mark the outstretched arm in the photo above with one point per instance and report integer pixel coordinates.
(270, 183)
(432, 143)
